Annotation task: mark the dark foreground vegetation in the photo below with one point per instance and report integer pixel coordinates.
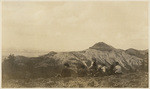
(134, 80)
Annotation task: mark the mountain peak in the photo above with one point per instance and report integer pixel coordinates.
(102, 46)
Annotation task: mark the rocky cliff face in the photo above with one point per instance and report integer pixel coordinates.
(138, 53)
(103, 53)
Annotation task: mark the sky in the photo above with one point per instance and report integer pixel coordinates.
(73, 26)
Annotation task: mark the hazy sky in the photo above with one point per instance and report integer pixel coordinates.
(66, 26)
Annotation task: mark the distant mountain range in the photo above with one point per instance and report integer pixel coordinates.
(23, 52)
(130, 59)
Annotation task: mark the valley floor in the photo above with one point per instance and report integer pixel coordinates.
(130, 80)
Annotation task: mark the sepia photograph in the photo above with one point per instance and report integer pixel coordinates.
(74, 44)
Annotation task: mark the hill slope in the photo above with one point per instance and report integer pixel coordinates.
(52, 63)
